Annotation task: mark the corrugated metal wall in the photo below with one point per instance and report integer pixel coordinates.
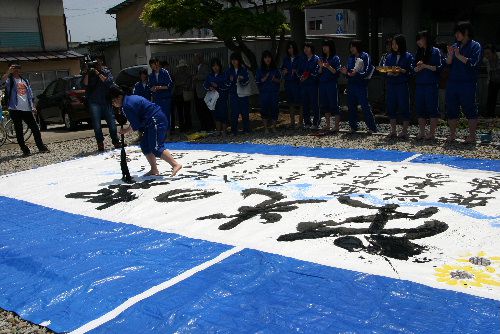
(19, 34)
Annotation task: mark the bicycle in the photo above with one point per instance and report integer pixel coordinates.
(10, 132)
(7, 130)
(3, 133)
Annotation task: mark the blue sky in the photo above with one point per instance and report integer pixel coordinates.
(87, 19)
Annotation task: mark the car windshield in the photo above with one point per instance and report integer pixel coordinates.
(76, 83)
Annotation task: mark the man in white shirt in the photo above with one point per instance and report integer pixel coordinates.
(21, 107)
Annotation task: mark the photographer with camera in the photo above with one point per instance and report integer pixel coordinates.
(20, 103)
(97, 79)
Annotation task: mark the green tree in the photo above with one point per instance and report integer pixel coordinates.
(230, 21)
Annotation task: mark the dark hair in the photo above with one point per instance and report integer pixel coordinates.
(115, 91)
(331, 46)
(311, 46)
(153, 61)
(357, 43)
(490, 47)
(401, 42)
(236, 56)
(143, 71)
(102, 58)
(294, 46)
(266, 54)
(215, 61)
(464, 27)
(424, 54)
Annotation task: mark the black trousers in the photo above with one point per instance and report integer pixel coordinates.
(183, 112)
(204, 115)
(491, 103)
(18, 116)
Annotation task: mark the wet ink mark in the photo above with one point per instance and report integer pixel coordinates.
(115, 193)
(391, 242)
(477, 195)
(268, 210)
(415, 191)
(338, 170)
(184, 195)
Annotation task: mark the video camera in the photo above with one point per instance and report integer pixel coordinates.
(89, 66)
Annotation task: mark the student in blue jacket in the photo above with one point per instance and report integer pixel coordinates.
(217, 81)
(359, 71)
(463, 58)
(161, 85)
(289, 69)
(268, 80)
(237, 74)
(141, 87)
(398, 94)
(329, 69)
(149, 119)
(428, 61)
(308, 72)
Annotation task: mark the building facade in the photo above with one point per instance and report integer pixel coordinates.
(33, 34)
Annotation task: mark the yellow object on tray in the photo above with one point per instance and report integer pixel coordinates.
(388, 69)
(196, 136)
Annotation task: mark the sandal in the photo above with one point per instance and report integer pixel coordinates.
(469, 141)
(392, 135)
(403, 136)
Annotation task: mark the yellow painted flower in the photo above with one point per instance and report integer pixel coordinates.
(465, 276)
(482, 260)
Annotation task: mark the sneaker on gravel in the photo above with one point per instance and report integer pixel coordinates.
(43, 149)
(26, 151)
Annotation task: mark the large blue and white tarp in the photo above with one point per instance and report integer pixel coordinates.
(253, 238)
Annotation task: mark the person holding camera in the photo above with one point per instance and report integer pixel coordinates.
(97, 79)
(20, 103)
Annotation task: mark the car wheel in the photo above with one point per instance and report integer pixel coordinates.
(69, 124)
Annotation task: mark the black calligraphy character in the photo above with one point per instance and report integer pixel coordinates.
(115, 193)
(268, 210)
(391, 242)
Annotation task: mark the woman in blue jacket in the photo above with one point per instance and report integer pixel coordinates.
(237, 74)
(329, 69)
(141, 87)
(359, 71)
(398, 94)
(463, 58)
(161, 86)
(268, 80)
(308, 72)
(217, 81)
(428, 65)
(147, 118)
(292, 83)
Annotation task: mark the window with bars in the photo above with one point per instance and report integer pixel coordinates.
(316, 25)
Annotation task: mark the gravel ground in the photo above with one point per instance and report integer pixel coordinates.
(11, 161)
(11, 324)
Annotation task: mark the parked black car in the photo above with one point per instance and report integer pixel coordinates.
(129, 76)
(63, 102)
